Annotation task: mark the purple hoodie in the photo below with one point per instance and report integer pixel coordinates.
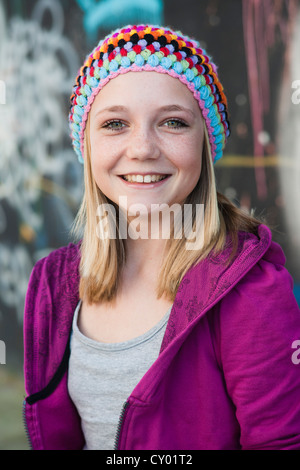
(227, 376)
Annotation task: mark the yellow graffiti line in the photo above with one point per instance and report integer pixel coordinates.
(254, 162)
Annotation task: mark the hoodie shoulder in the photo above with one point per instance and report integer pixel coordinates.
(65, 255)
(257, 323)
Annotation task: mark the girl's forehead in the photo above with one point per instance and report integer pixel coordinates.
(145, 87)
(151, 78)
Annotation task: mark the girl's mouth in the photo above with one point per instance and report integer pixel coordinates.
(144, 179)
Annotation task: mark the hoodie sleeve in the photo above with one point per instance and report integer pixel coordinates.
(259, 340)
(50, 302)
(51, 420)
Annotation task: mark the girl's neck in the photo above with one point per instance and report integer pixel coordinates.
(144, 255)
(145, 244)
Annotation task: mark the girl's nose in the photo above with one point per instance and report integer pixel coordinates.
(142, 145)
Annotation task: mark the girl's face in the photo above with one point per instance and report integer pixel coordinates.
(146, 136)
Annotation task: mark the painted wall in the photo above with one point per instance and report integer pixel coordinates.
(42, 44)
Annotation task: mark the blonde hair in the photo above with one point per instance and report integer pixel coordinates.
(102, 259)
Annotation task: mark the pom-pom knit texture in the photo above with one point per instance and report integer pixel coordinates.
(151, 48)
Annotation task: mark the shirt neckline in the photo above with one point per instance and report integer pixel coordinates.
(118, 346)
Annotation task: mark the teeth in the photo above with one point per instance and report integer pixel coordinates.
(144, 179)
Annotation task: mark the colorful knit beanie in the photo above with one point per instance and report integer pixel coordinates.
(151, 48)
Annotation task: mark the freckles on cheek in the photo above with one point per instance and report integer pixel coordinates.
(189, 158)
(102, 163)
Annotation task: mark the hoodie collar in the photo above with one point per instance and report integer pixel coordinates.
(211, 279)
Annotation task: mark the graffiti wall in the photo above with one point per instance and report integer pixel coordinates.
(40, 185)
(42, 44)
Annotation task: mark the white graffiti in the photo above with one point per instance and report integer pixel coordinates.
(38, 65)
(16, 266)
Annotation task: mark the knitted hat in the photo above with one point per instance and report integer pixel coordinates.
(151, 48)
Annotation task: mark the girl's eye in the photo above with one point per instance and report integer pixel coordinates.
(116, 125)
(175, 123)
(113, 125)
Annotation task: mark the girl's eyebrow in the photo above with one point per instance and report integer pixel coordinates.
(171, 107)
(177, 107)
(112, 109)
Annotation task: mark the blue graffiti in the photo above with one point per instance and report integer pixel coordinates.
(110, 14)
(297, 293)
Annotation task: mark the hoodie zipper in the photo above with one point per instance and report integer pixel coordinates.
(26, 425)
(120, 423)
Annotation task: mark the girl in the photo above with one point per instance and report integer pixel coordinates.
(137, 340)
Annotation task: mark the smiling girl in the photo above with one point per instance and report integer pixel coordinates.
(138, 342)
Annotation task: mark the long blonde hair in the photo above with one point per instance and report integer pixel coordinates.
(102, 259)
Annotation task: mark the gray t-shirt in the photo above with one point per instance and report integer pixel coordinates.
(103, 375)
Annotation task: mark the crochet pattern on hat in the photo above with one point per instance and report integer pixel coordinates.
(151, 48)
